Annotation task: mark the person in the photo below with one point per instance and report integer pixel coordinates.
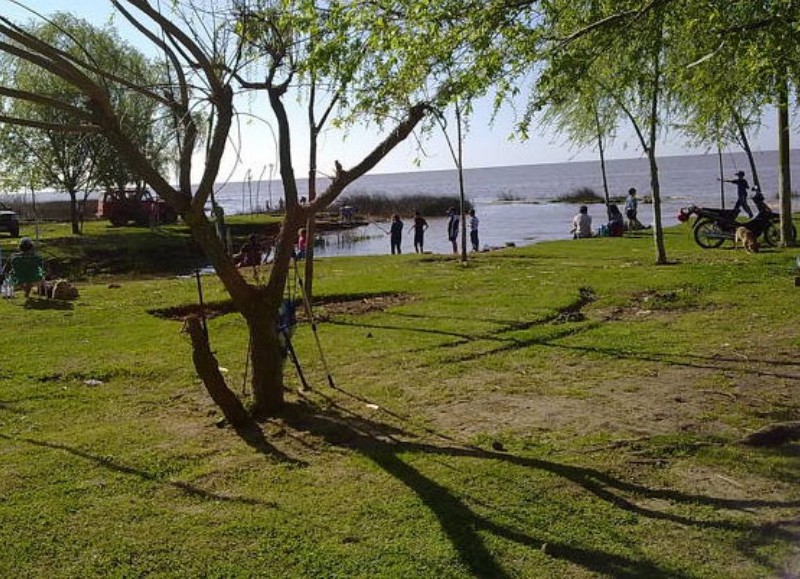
(302, 243)
(582, 224)
(632, 210)
(396, 234)
(616, 225)
(742, 187)
(761, 205)
(473, 230)
(419, 226)
(25, 268)
(249, 254)
(452, 228)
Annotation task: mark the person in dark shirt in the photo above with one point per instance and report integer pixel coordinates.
(396, 233)
(742, 187)
(452, 228)
(419, 227)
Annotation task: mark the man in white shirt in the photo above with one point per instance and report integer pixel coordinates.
(582, 224)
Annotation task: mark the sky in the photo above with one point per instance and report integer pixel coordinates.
(488, 143)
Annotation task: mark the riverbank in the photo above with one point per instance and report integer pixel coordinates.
(563, 409)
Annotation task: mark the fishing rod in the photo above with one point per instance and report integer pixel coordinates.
(313, 322)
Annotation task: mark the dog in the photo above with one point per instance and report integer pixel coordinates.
(747, 238)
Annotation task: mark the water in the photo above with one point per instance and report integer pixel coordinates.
(532, 217)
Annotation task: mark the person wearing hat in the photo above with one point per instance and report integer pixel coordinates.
(632, 210)
(25, 268)
(742, 186)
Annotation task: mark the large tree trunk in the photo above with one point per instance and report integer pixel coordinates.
(208, 369)
(267, 356)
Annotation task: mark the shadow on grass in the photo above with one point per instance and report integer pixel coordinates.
(465, 528)
(142, 474)
(47, 304)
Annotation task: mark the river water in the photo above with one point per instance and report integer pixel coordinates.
(532, 216)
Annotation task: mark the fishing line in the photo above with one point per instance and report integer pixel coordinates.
(313, 322)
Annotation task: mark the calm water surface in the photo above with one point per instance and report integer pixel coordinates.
(685, 180)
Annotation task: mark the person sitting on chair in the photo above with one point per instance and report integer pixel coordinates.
(250, 253)
(25, 268)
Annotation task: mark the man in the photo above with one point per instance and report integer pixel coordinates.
(582, 224)
(452, 228)
(742, 187)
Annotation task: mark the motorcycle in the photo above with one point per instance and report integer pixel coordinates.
(712, 227)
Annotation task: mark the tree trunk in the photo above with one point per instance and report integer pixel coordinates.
(208, 369)
(73, 212)
(601, 150)
(461, 184)
(267, 356)
(785, 174)
(748, 150)
(655, 184)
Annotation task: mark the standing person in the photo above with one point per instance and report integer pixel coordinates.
(473, 230)
(742, 187)
(396, 233)
(302, 243)
(419, 227)
(582, 224)
(632, 210)
(452, 228)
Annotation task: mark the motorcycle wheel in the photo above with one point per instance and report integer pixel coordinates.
(706, 234)
(772, 234)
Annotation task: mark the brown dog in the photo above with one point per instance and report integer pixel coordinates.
(747, 239)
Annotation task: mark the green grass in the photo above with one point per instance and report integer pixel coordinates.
(618, 427)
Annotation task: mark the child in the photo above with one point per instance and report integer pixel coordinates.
(396, 233)
(302, 243)
(473, 230)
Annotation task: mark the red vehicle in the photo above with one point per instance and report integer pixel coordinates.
(138, 206)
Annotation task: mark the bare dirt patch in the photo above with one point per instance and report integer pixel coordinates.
(324, 307)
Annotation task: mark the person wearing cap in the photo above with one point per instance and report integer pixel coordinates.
(742, 187)
(632, 210)
(25, 268)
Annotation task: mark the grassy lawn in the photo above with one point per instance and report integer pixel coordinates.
(566, 409)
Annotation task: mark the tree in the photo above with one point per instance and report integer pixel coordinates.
(385, 58)
(43, 153)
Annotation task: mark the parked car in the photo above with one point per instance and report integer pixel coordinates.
(133, 205)
(9, 221)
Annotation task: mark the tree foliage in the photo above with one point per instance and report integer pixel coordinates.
(46, 140)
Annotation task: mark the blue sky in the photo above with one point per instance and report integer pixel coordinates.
(487, 144)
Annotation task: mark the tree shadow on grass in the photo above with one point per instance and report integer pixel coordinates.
(464, 527)
(142, 474)
(32, 303)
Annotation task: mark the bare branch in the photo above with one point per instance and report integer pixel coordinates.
(49, 126)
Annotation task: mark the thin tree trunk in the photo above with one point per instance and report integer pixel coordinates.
(658, 230)
(461, 184)
(312, 190)
(602, 151)
(721, 178)
(748, 150)
(785, 174)
(73, 212)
